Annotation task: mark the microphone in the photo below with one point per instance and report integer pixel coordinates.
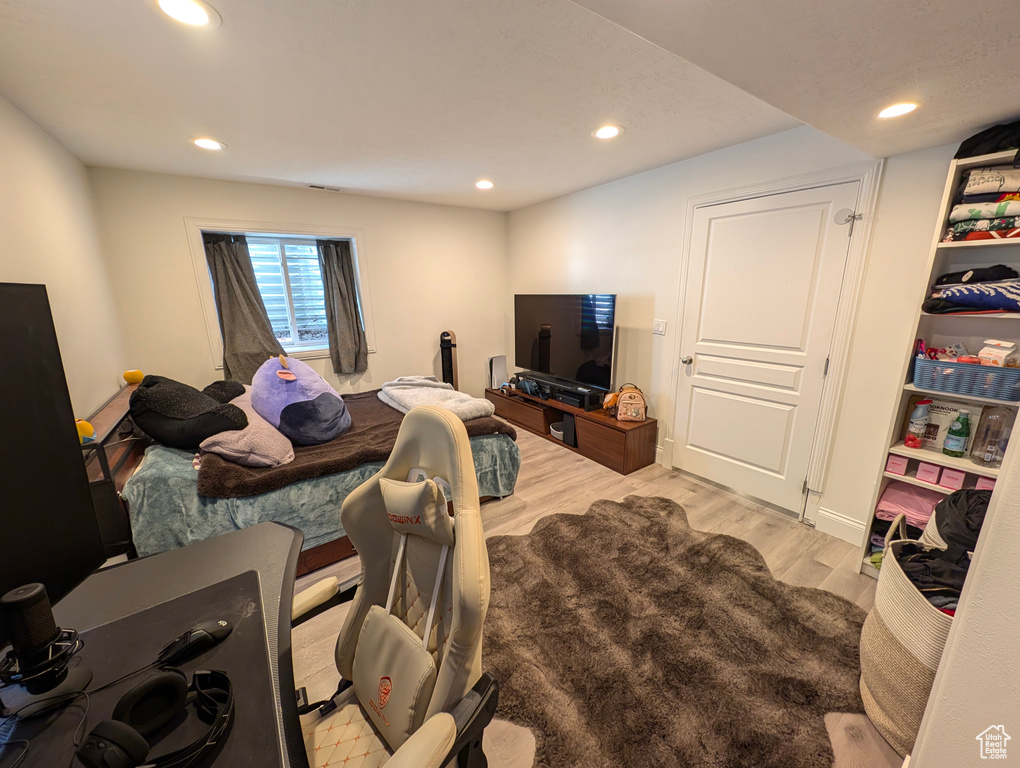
(40, 650)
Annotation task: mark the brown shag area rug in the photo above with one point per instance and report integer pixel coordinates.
(623, 637)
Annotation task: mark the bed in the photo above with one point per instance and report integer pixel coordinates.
(176, 498)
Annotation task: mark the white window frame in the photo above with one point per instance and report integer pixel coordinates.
(195, 227)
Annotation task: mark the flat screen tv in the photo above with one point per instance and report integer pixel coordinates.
(566, 336)
(48, 528)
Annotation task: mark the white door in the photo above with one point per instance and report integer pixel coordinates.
(763, 284)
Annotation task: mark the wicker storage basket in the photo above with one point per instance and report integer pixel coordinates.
(901, 645)
(967, 379)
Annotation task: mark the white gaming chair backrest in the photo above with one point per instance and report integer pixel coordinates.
(435, 440)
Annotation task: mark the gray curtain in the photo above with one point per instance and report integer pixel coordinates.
(248, 339)
(348, 348)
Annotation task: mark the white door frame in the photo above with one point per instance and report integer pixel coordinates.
(869, 175)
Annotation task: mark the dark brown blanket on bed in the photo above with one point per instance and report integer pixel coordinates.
(373, 432)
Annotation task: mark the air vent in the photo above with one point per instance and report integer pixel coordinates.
(324, 188)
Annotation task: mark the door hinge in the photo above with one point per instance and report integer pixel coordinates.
(803, 488)
(825, 370)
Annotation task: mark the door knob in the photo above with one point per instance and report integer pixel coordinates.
(686, 359)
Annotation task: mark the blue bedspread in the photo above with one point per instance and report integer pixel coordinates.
(167, 512)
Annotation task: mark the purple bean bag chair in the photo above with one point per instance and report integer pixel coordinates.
(296, 400)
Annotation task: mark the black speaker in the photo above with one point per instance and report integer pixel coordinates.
(569, 430)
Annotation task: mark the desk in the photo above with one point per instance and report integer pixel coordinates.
(269, 548)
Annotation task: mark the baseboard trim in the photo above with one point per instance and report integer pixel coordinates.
(840, 526)
(664, 453)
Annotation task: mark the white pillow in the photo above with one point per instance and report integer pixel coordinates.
(260, 444)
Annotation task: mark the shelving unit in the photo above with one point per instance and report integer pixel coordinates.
(909, 387)
(912, 480)
(961, 463)
(939, 331)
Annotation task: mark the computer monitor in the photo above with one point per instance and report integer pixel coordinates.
(48, 528)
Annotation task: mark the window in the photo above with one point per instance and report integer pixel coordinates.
(290, 281)
(285, 260)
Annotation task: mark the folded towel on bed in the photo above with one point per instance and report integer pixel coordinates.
(373, 432)
(408, 392)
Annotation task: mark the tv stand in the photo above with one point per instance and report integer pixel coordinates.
(623, 446)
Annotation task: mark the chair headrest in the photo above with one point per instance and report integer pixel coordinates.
(418, 509)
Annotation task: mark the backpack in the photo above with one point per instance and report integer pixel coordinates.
(628, 404)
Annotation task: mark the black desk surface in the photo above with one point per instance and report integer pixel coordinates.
(268, 548)
(115, 649)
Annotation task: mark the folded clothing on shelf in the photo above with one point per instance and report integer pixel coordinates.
(985, 225)
(1002, 296)
(998, 234)
(916, 504)
(990, 197)
(880, 527)
(979, 275)
(995, 210)
(983, 181)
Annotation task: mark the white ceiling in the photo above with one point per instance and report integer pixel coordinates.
(401, 98)
(418, 100)
(835, 65)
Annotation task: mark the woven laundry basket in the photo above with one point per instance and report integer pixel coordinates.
(901, 645)
(930, 537)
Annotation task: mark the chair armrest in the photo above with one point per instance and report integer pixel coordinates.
(320, 597)
(429, 746)
(315, 595)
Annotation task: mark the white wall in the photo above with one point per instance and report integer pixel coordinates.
(48, 235)
(626, 237)
(896, 277)
(978, 682)
(431, 268)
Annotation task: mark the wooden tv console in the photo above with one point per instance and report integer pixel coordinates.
(624, 446)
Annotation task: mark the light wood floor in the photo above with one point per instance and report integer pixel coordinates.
(553, 480)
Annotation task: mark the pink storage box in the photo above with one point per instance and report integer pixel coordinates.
(896, 464)
(952, 478)
(985, 484)
(929, 473)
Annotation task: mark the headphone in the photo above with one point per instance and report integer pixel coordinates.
(149, 707)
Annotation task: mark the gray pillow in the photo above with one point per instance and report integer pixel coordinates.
(260, 444)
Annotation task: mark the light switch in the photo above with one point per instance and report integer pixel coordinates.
(659, 327)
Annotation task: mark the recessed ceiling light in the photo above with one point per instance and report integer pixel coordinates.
(484, 184)
(194, 13)
(898, 109)
(208, 143)
(607, 132)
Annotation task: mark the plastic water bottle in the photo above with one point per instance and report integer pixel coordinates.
(918, 425)
(959, 432)
(991, 437)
